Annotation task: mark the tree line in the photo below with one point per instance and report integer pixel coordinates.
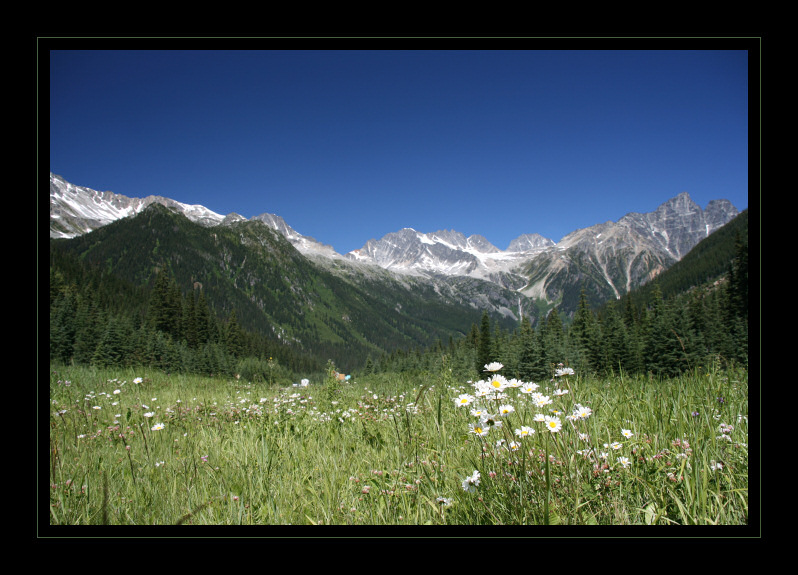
(163, 328)
(664, 336)
(96, 318)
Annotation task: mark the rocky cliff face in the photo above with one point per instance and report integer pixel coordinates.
(610, 259)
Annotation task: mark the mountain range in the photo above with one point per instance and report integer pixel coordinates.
(534, 273)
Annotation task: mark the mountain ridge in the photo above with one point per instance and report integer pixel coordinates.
(611, 258)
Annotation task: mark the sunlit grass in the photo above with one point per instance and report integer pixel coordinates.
(144, 448)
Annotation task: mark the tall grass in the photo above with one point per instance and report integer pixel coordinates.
(147, 448)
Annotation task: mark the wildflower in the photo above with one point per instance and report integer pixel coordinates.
(615, 445)
(626, 433)
(529, 387)
(470, 483)
(514, 446)
(444, 502)
(524, 431)
(539, 418)
(479, 412)
(581, 412)
(157, 426)
(494, 366)
(541, 400)
(149, 414)
(96, 407)
(559, 392)
(478, 429)
(464, 399)
(624, 461)
(564, 371)
(117, 391)
(506, 409)
(137, 380)
(553, 424)
(498, 383)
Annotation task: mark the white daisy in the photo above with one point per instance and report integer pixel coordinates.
(553, 424)
(470, 483)
(464, 399)
(529, 387)
(524, 431)
(506, 409)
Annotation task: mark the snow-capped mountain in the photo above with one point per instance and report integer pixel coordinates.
(305, 244)
(75, 210)
(611, 258)
(447, 252)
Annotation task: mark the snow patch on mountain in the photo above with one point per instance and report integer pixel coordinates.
(76, 210)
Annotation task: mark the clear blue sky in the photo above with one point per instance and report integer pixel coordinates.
(351, 145)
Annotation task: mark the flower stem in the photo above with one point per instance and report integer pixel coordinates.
(548, 486)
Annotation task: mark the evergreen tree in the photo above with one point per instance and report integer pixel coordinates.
(203, 320)
(664, 353)
(553, 349)
(88, 321)
(189, 320)
(586, 336)
(485, 349)
(233, 336)
(112, 348)
(164, 307)
(529, 357)
(615, 340)
(63, 315)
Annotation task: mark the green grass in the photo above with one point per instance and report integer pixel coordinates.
(392, 450)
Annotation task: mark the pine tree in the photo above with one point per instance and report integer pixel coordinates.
(164, 306)
(484, 350)
(233, 336)
(203, 320)
(63, 314)
(664, 349)
(88, 322)
(553, 349)
(529, 360)
(615, 340)
(112, 348)
(585, 335)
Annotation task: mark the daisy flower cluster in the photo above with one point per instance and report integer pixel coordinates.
(496, 398)
(518, 411)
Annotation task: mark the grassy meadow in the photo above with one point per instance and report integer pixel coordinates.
(146, 448)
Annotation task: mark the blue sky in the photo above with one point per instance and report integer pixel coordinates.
(351, 145)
